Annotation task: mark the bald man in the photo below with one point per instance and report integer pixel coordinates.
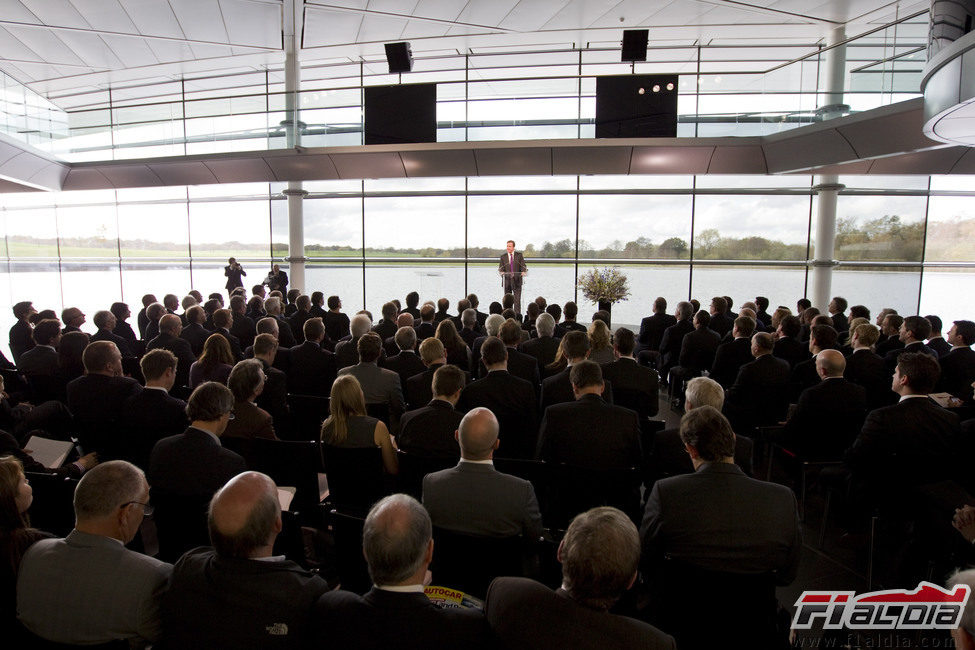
(829, 415)
(473, 497)
(238, 594)
(170, 327)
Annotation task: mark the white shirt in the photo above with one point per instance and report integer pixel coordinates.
(478, 462)
(403, 589)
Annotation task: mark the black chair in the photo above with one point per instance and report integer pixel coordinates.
(380, 411)
(34, 642)
(291, 542)
(307, 414)
(413, 467)
(638, 401)
(355, 477)
(291, 463)
(353, 571)
(469, 563)
(46, 387)
(740, 606)
(572, 490)
(181, 523)
(53, 506)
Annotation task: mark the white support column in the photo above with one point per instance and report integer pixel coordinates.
(827, 187)
(293, 126)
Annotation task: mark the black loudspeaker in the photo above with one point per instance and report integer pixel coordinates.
(634, 44)
(636, 106)
(400, 114)
(400, 57)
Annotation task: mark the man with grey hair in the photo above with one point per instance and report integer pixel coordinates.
(473, 497)
(397, 541)
(347, 352)
(492, 325)
(405, 319)
(274, 309)
(599, 554)
(87, 588)
(238, 594)
(467, 325)
(170, 327)
(669, 456)
(105, 321)
(673, 338)
(545, 345)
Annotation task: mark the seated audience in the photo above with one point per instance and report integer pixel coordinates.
(170, 328)
(601, 343)
(912, 332)
(630, 380)
(456, 349)
(337, 324)
(936, 341)
(731, 356)
(673, 338)
(544, 346)
(866, 369)
(348, 425)
(238, 593)
(105, 321)
(42, 359)
(194, 332)
(223, 320)
(214, 364)
(22, 334)
(600, 554)
(557, 388)
(429, 430)
(760, 394)
(87, 588)
(347, 352)
(787, 346)
(958, 366)
(379, 385)
(406, 362)
(312, 367)
(397, 541)
(652, 328)
(122, 328)
(246, 382)
(697, 349)
(274, 397)
(152, 414)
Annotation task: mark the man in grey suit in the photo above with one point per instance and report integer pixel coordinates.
(512, 269)
(379, 385)
(87, 588)
(473, 497)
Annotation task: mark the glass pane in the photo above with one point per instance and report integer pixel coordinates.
(553, 280)
(951, 230)
(154, 230)
(39, 282)
(90, 286)
(940, 290)
(140, 277)
(878, 287)
(333, 228)
(223, 229)
(343, 279)
(88, 231)
(751, 227)
(880, 228)
(634, 226)
(542, 226)
(646, 282)
(411, 226)
(388, 280)
(781, 285)
(32, 233)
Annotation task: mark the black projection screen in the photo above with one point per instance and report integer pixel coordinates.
(400, 114)
(628, 106)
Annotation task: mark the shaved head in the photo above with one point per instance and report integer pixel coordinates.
(831, 363)
(245, 516)
(478, 434)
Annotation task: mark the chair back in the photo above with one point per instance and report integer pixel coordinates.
(635, 400)
(290, 543)
(413, 467)
(291, 463)
(181, 523)
(355, 476)
(307, 414)
(53, 507)
(380, 412)
(353, 571)
(576, 489)
(470, 562)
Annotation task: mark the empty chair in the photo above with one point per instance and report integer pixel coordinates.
(307, 414)
(181, 523)
(292, 463)
(352, 569)
(413, 467)
(469, 563)
(53, 506)
(576, 489)
(355, 476)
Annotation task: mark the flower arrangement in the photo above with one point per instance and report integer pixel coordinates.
(604, 285)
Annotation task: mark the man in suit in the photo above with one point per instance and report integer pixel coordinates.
(474, 302)
(958, 366)
(233, 272)
(312, 368)
(429, 430)
(467, 326)
(890, 334)
(297, 319)
(569, 324)
(787, 346)
(170, 328)
(21, 334)
(152, 413)
(96, 399)
(277, 280)
(731, 356)
(268, 325)
(935, 340)
(718, 518)
(557, 389)
(837, 308)
(242, 326)
(42, 359)
(194, 333)
(600, 555)
(386, 326)
(544, 346)
(194, 463)
(673, 338)
(697, 350)
(721, 322)
(274, 397)
(866, 369)
(512, 269)
(105, 322)
(426, 327)
(154, 312)
(520, 364)
(829, 415)
(397, 541)
(87, 588)
(336, 323)
(238, 593)
(589, 432)
(760, 394)
(492, 327)
(634, 386)
(73, 318)
(379, 385)
(474, 498)
(347, 352)
(418, 390)
(390, 349)
(407, 362)
(511, 399)
(669, 456)
(652, 327)
(286, 338)
(804, 375)
(223, 320)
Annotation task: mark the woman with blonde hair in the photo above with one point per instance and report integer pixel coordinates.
(600, 343)
(349, 426)
(457, 351)
(215, 362)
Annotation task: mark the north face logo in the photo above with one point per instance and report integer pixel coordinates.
(277, 629)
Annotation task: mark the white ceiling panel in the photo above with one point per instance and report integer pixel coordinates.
(633, 13)
(581, 13)
(324, 27)
(442, 9)
(252, 23)
(105, 14)
(134, 51)
(56, 12)
(15, 10)
(200, 51)
(686, 13)
(13, 48)
(423, 29)
(46, 43)
(530, 15)
(167, 51)
(91, 49)
(489, 13)
(380, 28)
(400, 7)
(200, 20)
(153, 17)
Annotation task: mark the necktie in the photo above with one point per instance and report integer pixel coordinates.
(511, 262)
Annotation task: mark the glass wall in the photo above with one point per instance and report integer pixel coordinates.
(902, 242)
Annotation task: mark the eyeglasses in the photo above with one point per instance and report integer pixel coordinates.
(146, 508)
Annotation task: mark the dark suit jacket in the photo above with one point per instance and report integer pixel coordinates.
(890, 359)
(286, 338)
(719, 519)
(760, 394)
(827, 420)
(652, 330)
(148, 417)
(568, 326)
(508, 282)
(346, 353)
(557, 389)
(671, 342)
(633, 380)
(803, 376)
(728, 360)
(939, 345)
(697, 349)
(120, 343)
(791, 350)
(243, 328)
(542, 348)
(96, 402)
(521, 365)
(840, 322)
(424, 331)
(429, 430)
(406, 364)
(383, 619)
(590, 433)
(958, 373)
(866, 369)
(184, 355)
(385, 329)
(312, 370)
(21, 339)
(39, 360)
(512, 400)
(722, 324)
(234, 342)
(889, 345)
(419, 388)
(527, 614)
(297, 323)
(336, 325)
(192, 464)
(274, 397)
(250, 421)
(196, 335)
(670, 458)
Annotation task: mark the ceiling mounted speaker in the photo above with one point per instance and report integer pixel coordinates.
(634, 44)
(400, 57)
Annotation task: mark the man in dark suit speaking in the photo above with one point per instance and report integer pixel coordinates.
(512, 269)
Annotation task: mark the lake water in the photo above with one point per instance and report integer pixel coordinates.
(948, 294)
